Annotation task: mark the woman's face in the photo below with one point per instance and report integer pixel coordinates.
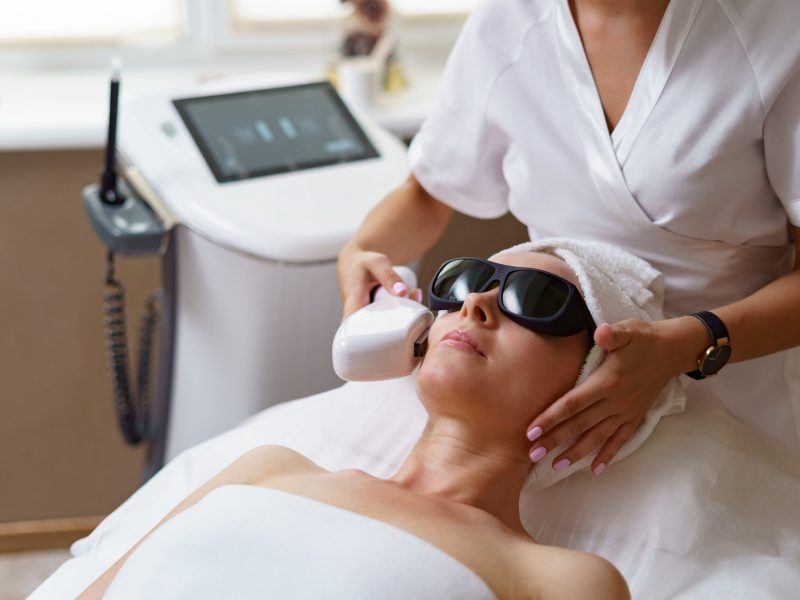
(513, 375)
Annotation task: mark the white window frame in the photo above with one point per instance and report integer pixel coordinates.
(210, 39)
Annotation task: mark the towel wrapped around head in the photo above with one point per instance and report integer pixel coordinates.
(616, 285)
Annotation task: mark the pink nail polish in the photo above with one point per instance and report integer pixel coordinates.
(599, 468)
(562, 464)
(399, 288)
(534, 433)
(538, 453)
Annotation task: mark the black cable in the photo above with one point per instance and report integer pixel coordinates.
(131, 404)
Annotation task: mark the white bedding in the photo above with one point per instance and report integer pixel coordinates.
(707, 508)
(354, 556)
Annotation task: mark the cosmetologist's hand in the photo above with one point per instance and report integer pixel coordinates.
(360, 270)
(605, 410)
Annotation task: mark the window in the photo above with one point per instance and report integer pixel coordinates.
(410, 8)
(58, 34)
(263, 12)
(260, 12)
(43, 22)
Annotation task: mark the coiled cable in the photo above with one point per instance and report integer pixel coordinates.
(131, 404)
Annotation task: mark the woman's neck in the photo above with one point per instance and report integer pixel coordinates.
(458, 462)
(618, 8)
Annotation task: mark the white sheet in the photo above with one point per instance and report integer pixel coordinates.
(706, 509)
(353, 556)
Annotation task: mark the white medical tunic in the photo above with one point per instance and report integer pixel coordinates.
(701, 176)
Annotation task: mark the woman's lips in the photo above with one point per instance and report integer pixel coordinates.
(462, 339)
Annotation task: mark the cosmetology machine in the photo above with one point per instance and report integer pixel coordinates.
(248, 189)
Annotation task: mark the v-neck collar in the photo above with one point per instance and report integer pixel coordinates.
(653, 76)
(606, 155)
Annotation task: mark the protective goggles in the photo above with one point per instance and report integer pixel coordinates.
(538, 300)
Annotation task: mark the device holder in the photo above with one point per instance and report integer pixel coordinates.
(127, 225)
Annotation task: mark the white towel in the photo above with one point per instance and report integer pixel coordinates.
(616, 285)
(244, 541)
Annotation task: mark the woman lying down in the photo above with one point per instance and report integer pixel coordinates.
(273, 524)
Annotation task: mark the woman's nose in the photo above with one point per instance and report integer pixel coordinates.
(481, 307)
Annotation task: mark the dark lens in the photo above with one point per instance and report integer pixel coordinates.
(532, 294)
(461, 277)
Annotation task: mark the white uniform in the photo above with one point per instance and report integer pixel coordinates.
(701, 176)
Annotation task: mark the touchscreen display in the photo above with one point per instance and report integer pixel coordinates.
(271, 131)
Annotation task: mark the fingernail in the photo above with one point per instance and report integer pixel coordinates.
(534, 432)
(418, 295)
(399, 288)
(599, 468)
(562, 464)
(538, 453)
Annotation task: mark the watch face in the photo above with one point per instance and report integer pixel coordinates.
(716, 359)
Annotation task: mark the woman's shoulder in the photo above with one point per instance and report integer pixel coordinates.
(501, 26)
(515, 566)
(781, 9)
(267, 461)
(762, 23)
(767, 30)
(555, 573)
(509, 10)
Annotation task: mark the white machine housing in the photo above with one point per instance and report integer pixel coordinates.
(257, 298)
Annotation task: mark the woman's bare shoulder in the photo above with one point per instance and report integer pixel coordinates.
(553, 573)
(264, 462)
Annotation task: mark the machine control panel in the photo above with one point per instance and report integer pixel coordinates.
(264, 132)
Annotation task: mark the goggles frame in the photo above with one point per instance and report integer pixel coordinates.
(572, 318)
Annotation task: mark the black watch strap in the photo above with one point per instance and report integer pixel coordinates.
(717, 333)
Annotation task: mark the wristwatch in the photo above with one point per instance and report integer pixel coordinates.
(717, 354)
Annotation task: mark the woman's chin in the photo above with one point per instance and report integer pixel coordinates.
(452, 369)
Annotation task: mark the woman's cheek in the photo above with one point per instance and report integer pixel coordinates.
(531, 367)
